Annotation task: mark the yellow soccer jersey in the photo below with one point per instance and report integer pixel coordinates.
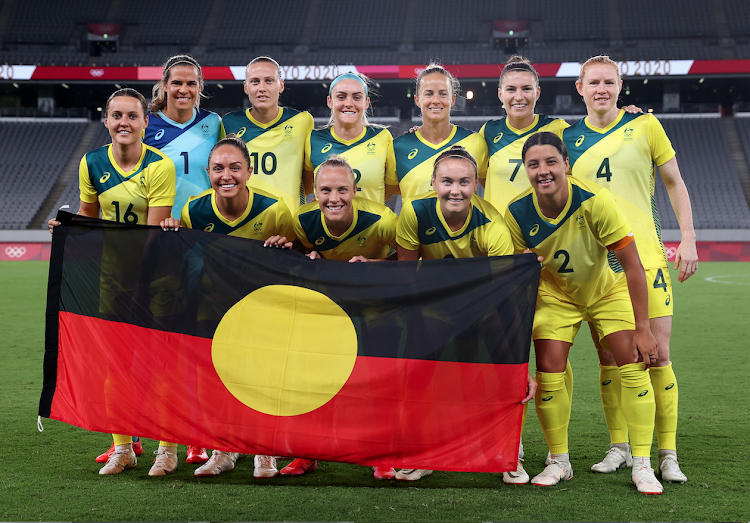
(276, 149)
(506, 175)
(126, 196)
(372, 233)
(421, 225)
(574, 245)
(415, 158)
(266, 215)
(621, 157)
(370, 155)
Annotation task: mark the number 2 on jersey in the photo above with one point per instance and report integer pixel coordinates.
(358, 177)
(566, 259)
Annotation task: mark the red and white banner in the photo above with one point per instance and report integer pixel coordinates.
(24, 251)
(715, 251)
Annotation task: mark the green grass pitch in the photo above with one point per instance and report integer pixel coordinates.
(51, 476)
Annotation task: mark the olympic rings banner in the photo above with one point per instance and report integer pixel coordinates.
(24, 251)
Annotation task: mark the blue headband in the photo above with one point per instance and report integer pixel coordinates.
(348, 76)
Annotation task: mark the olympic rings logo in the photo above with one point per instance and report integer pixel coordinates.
(96, 73)
(15, 252)
(671, 252)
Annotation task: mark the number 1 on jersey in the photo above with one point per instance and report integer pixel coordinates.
(184, 155)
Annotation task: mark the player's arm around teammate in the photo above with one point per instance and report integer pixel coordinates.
(627, 148)
(573, 224)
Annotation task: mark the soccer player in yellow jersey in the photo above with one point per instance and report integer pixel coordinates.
(341, 225)
(435, 94)
(572, 224)
(451, 221)
(367, 147)
(275, 135)
(618, 151)
(128, 182)
(231, 207)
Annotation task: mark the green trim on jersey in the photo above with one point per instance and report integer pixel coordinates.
(312, 223)
(426, 211)
(237, 123)
(99, 161)
(323, 144)
(411, 151)
(504, 135)
(590, 137)
(202, 208)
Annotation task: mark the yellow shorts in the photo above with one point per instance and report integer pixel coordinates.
(555, 319)
(660, 297)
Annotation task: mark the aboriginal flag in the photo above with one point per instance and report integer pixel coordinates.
(205, 339)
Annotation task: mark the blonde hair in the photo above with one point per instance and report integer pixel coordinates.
(159, 96)
(518, 63)
(336, 161)
(602, 59)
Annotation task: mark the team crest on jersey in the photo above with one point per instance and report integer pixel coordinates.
(362, 241)
(534, 230)
(628, 134)
(497, 138)
(205, 129)
(288, 129)
(580, 222)
(209, 227)
(371, 148)
(413, 153)
(580, 140)
(105, 177)
(472, 240)
(142, 181)
(326, 148)
(320, 241)
(258, 227)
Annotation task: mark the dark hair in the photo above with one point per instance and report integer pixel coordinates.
(455, 152)
(544, 138)
(159, 96)
(235, 142)
(132, 93)
(518, 63)
(433, 67)
(264, 60)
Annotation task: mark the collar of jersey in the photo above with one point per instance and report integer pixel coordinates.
(565, 210)
(355, 213)
(419, 136)
(241, 217)
(132, 171)
(440, 216)
(178, 124)
(525, 129)
(264, 125)
(609, 127)
(353, 140)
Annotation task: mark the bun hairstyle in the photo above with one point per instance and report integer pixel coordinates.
(235, 142)
(455, 152)
(132, 93)
(434, 67)
(544, 138)
(518, 63)
(159, 97)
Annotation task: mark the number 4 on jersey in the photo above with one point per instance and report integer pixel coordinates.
(604, 171)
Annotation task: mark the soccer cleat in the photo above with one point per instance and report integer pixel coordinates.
(616, 458)
(669, 470)
(299, 466)
(118, 461)
(165, 462)
(265, 467)
(103, 458)
(643, 477)
(553, 473)
(383, 473)
(196, 455)
(218, 463)
(518, 476)
(412, 474)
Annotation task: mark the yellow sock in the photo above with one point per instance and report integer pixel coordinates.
(553, 409)
(569, 382)
(121, 439)
(167, 444)
(639, 407)
(666, 394)
(610, 387)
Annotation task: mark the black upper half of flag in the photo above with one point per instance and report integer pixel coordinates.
(477, 310)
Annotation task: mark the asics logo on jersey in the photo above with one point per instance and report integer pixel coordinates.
(362, 241)
(159, 134)
(671, 385)
(547, 398)
(326, 148)
(104, 177)
(643, 393)
(666, 302)
(534, 230)
(209, 227)
(320, 241)
(412, 153)
(606, 382)
(580, 140)
(430, 231)
(497, 138)
(241, 132)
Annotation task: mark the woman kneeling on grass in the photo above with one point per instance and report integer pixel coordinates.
(573, 224)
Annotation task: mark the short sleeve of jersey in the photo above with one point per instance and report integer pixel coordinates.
(407, 228)
(161, 189)
(299, 231)
(499, 240)
(284, 221)
(516, 237)
(479, 150)
(308, 150)
(661, 147)
(185, 215)
(387, 229)
(390, 163)
(610, 221)
(88, 191)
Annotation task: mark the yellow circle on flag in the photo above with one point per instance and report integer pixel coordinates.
(284, 350)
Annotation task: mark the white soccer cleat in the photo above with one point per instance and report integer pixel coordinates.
(412, 474)
(218, 462)
(265, 467)
(643, 477)
(119, 460)
(669, 470)
(616, 458)
(165, 462)
(553, 473)
(517, 477)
